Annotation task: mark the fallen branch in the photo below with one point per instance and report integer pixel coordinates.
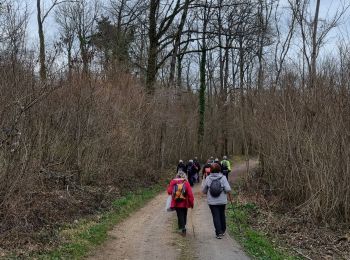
(303, 255)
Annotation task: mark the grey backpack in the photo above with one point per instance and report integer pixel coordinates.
(215, 187)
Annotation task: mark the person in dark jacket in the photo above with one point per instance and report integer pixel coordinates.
(198, 168)
(181, 206)
(181, 167)
(191, 172)
(218, 203)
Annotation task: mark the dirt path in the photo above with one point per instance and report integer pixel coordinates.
(239, 170)
(150, 234)
(202, 233)
(147, 234)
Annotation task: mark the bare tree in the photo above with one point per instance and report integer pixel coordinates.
(67, 31)
(84, 14)
(12, 34)
(313, 35)
(160, 20)
(282, 45)
(129, 19)
(177, 41)
(265, 8)
(41, 17)
(202, 73)
(314, 45)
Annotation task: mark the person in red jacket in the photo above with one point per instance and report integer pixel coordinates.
(182, 199)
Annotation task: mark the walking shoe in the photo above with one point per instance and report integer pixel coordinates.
(223, 234)
(183, 233)
(219, 237)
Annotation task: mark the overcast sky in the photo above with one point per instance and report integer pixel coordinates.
(49, 26)
(327, 9)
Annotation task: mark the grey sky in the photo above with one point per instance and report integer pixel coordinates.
(327, 9)
(49, 26)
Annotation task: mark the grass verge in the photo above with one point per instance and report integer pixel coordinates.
(85, 235)
(256, 244)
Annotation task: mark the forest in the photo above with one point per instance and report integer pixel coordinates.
(107, 95)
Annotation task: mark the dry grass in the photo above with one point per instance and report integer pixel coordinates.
(304, 143)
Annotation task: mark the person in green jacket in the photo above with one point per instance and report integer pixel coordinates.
(225, 166)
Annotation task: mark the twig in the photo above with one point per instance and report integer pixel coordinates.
(68, 190)
(300, 253)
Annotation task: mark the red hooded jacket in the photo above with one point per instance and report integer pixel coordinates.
(188, 202)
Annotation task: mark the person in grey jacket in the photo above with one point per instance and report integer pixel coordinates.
(217, 204)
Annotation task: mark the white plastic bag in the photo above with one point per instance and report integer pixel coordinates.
(168, 203)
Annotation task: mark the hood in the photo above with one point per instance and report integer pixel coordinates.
(216, 175)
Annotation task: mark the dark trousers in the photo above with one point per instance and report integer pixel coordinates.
(181, 218)
(191, 179)
(225, 173)
(219, 219)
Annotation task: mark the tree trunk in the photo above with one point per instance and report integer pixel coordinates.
(243, 105)
(42, 61)
(151, 72)
(225, 107)
(241, 71)
(220, 50)
(173, 65)
(261, 39)
(177, 44)
(188, 85)
(202, 86)
(179, 71)
(314, 46)
(202, 97)
(84, 53)
(69, 57)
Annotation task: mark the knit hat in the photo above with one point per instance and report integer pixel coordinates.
(181, 174)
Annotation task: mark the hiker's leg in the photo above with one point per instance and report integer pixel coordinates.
(191, 180)
(215, 211)
(178, 213)
(185, 216)
(222, 218)
(226, 174)
(181, 218)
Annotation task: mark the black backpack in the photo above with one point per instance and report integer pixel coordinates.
(215, 187)
(190, 169)
(224, 166)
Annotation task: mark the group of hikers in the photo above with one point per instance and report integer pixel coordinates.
(193, 168)
(214, 184)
